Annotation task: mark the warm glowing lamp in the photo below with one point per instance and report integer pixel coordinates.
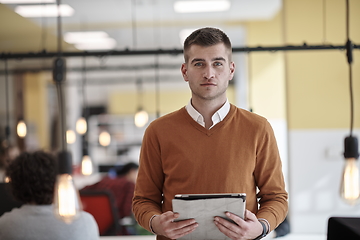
(141, 118)
(70, 136)
(21, 129)
(350, 185)
(350, 182)
(86, 165)
(81, 126)
(67, 205)
(104, 139)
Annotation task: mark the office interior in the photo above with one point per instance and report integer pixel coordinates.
(303, 93)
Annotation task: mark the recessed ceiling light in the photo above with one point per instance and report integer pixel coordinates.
(78, 37)
(49, 10)
(201, 6)
(91, 40)
(104, 44)
(25, 1)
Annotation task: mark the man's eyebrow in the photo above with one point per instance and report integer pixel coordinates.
(203, 60)
(198, 60)
(219, 59)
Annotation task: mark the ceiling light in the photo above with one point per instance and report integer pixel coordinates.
(96, 40)
(86, 165)
(25, 1)
(104, 139)
(21, 129)
(70, 136)
(49, 10)
(201, 6)
(78, 37)
(97, 44)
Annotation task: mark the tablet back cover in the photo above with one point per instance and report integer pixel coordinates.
(204, 211)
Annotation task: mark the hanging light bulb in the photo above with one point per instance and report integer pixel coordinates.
(104, 139)
(21, 129)
(66, 201)
(350, 184)
(86, 165)
(70, 136)
(141, 118)
(67, 205)
(81, 126)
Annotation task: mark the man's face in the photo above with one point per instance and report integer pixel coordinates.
(208, 71)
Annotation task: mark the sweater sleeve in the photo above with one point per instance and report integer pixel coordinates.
(270, 181)
(149, 184)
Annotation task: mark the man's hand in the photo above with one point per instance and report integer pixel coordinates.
(249, 228)
(165, 225)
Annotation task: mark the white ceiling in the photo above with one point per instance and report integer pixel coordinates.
(135, 25)
(144, 24)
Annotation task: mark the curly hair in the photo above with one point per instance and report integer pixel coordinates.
(32, 177)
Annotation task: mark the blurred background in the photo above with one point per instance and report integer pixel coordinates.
(303, 93)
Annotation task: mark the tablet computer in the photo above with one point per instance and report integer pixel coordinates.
(211, 195)
(204, 207)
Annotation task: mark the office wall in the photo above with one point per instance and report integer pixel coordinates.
(317, 109)
(36, 110)
(127, 102)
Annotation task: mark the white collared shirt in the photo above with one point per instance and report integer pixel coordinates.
(218, 116)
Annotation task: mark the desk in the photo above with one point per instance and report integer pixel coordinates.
(290, 236)
(132, 237)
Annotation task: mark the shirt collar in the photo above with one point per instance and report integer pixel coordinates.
(218, 116)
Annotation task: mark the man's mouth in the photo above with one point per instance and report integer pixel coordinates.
(208, 84)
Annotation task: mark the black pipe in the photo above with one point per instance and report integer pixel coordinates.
(128, 52)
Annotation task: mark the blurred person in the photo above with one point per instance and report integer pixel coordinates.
(283, 229)
(210, 146)
(32, 180)
(122, 188)
(7, 201)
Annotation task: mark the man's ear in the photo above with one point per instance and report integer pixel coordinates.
(232, 70)
(184, 72)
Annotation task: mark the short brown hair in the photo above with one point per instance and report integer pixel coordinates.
(205, 37)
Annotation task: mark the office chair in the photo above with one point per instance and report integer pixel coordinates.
(101, 204)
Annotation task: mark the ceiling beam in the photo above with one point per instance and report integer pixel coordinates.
(128, 52)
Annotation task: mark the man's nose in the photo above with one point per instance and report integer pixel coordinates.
(209, 72)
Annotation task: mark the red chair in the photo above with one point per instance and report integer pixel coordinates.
(101, 204)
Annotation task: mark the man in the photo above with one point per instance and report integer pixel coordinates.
(32, 180)
(210, 146)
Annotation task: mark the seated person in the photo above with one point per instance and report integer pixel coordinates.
(122, 187)
(7, 201)
(32, 180)
(283, 229)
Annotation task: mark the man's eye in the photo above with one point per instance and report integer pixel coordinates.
(218, 64)
(198, 64)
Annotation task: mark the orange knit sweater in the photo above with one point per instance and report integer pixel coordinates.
(238, 154)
